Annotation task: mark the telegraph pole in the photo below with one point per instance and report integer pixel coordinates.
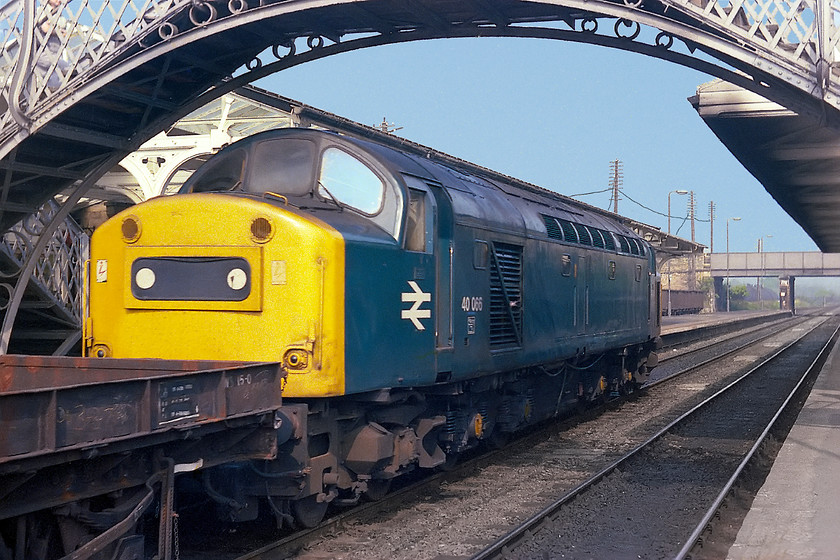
(691, 206)
(692, 278)
(711, 227)
(616, 179)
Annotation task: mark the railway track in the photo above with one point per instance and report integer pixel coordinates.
(658, 500)
(711, 346)
(497, 491)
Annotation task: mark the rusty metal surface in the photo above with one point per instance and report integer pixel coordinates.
(58, 404)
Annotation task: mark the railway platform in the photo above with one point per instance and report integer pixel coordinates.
(796, 514)
(683, 323)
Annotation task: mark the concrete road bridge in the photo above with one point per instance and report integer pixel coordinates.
(787, 266)
(86, 82)
(751, 265)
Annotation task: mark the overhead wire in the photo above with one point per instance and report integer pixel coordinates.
(648, 208)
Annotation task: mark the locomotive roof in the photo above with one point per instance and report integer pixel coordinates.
(480, 198)
(504, 201)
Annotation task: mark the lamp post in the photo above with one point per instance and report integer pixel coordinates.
(758, 280)
(678, 191)
(727, 259)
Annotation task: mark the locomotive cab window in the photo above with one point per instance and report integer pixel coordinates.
(350, 182)
(222, 173)
(418, 224)
(284, 166)
(481, 254)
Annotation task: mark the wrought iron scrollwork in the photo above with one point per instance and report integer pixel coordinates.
(202, 13)
(314, 42)
(237, 6)
(799, 37)
(622, 24)
(167, 30)
(275, 50)
(664, 40)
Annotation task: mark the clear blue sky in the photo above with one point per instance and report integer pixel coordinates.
(555, 114)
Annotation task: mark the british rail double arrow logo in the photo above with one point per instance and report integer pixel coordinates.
(418, 297)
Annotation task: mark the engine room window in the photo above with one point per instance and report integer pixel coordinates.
(566, 265)
(481, 254)
(283, 166)
(222, 173)
(350, 182)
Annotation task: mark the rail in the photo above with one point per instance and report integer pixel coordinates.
(505, 546)
(695, 540)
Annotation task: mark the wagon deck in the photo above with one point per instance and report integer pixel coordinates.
(71, 427)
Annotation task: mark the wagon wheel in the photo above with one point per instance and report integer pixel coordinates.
(377, 488)
(309, 512)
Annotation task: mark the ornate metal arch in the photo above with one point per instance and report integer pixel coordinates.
(784, 48)
(86, 83)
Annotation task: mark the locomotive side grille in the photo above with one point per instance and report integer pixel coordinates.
(569, 232)
(572, 232)
(506, 295)
(583, 234)
(552, 228)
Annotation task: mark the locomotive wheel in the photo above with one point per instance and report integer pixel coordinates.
(628, 388)
(377, 488)
(308, 512)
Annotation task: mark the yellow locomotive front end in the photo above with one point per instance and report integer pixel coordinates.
(221, 277)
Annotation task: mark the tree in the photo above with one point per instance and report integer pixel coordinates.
(737, 296)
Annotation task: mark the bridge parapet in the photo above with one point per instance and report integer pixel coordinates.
(783, 49)
(797, 264)
(85, 82)
(50, 44)
(792, 39)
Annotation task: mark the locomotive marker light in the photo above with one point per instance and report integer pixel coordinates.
(237, 279)
(145, 278)
(418, 297)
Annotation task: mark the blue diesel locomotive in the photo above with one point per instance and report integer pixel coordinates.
(418, 307)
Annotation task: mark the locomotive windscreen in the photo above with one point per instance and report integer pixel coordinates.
(285, 166)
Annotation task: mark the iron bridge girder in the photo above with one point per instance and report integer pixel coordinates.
(785, 45)
(86, 84)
